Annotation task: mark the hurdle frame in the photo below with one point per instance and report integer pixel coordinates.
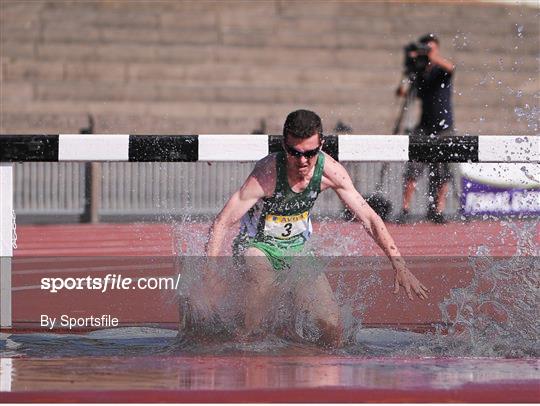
(234, 147)
(6, 242)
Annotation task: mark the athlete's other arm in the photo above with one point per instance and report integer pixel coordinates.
(239, 203)
(256, 186)
(337, 178)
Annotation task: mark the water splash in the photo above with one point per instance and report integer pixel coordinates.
(530, 115)
(489, 317)
(495, 314)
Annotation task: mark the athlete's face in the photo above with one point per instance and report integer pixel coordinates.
(302, 152)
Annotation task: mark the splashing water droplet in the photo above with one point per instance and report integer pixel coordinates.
(491, 316)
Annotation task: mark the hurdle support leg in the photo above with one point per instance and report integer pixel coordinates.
(6, 242)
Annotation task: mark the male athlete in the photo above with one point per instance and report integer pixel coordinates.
(274, 207)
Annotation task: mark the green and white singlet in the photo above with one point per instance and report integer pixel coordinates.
(281, 224)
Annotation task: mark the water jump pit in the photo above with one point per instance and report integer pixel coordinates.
(473, 340)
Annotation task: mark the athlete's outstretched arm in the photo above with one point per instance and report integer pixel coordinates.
(240, 202)
(339, 180)
(254, 188)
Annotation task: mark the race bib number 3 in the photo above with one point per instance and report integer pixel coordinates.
(285, 227)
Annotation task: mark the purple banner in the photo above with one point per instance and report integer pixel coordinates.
(480, 198)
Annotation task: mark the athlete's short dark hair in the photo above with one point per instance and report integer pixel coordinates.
(302, 124)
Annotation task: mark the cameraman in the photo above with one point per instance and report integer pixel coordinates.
(431, 79)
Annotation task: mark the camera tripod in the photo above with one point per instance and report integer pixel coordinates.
(405, 116)
(381, 205)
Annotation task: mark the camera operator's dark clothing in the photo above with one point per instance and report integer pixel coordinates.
(439, 172)
(434, 88)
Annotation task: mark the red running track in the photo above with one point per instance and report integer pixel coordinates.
(438, 257)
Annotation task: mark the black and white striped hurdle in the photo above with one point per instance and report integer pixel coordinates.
(252, 147)
(197, 148)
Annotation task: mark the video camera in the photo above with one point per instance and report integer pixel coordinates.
(416, 58)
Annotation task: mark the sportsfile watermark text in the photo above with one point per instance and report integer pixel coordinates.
(110, 282)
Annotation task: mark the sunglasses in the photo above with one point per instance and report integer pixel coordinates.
(297, 154)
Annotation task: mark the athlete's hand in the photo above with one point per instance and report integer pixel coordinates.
(203, 292)
(210, 290)
(405, 278)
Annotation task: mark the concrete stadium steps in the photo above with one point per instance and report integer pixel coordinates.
(338, 17)
(230, 102)
(183, 56)
(174, 118)
(226, 73)
(128, 45)
(207, 65)
(228, 118)
(60, 59)
(476, 97)
(122, 123)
